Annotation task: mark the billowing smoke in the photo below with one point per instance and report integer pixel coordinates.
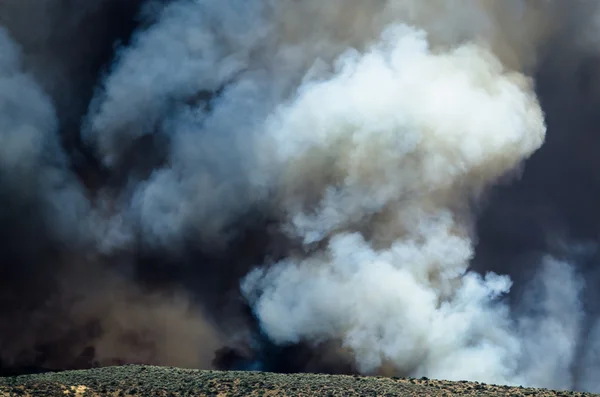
(397, 187)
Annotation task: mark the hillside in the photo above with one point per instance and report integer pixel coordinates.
(159, 381)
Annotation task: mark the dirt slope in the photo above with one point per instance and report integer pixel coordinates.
(158, 381)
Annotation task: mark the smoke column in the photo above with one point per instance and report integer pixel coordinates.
(394, 187)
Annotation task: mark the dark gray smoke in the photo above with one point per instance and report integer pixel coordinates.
(398, 187)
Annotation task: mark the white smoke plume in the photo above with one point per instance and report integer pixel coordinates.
(323, 163)
(392, 146)
(556, 323)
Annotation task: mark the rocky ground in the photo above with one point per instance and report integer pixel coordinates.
(159, 381)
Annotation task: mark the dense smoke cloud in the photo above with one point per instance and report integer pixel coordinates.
(378, 177)
(399, 187)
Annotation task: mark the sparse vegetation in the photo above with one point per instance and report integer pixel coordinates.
(129, 381)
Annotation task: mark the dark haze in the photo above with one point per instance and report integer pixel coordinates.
(87, 279)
